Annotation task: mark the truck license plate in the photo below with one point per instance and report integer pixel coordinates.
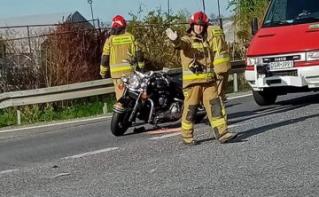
(280, 65)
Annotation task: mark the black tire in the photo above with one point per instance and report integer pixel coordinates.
(264, 98)
(119, 124)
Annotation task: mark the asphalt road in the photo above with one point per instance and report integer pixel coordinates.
(275, 154)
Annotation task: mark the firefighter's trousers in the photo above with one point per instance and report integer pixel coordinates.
(206, 94)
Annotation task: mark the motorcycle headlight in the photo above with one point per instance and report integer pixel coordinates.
(143, 85)
(124, 79)
(134, 82)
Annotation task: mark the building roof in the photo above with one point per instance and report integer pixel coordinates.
(54, 18)
(20, 29)
(39, 24)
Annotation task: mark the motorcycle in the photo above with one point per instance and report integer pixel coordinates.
(151, 97)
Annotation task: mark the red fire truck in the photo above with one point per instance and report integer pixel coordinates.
(283, 56)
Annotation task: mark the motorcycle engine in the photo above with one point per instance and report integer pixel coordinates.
(175, 111)
(159, 91)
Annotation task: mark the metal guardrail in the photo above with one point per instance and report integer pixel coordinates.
(79, 90)
(58, 93)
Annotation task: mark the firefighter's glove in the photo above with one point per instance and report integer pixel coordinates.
(172, 35)
(103, 71)
(141, 65)
(131, 59)
(139, 56)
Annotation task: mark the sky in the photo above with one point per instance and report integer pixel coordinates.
(103, 9)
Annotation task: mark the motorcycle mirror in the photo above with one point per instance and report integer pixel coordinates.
(149, 74)
(165, 70)
(254, 26)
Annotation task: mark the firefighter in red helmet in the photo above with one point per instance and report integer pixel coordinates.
(199, 79)
(118, 51)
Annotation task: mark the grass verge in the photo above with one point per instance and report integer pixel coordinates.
(57, 111)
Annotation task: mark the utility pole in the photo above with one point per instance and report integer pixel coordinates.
(204, 7)
(168, 8)
(219, 16)
(91, 2)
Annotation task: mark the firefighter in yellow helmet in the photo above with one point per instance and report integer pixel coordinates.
(221, 58)
(199, 80)
(119, 52)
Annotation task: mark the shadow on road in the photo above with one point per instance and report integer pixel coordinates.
(231, 104)
(256, 131)
(280, 107)
(142, 128)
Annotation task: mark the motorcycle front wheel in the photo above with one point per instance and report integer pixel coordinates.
(119, 123)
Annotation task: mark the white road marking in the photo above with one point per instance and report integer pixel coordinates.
(61, 174)
(8, 171)
(164, 130)
(165, 136)
(234, 125)
(54, 124)
(91, 153)
(237, 97)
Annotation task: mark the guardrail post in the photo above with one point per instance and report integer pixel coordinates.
(235, 76)
(18, 117)
(105, 108)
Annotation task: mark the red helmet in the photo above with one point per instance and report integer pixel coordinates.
(199, 18)
(118, 21)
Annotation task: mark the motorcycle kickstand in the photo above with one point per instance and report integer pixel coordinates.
(156, 126)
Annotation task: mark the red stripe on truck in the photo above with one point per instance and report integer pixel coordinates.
(250, 68)
(307, 63)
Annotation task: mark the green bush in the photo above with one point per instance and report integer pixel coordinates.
(150, 33)
(8, 117)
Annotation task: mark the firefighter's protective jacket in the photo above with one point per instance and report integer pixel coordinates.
(120, 49)
(195, 52)
(210, 53)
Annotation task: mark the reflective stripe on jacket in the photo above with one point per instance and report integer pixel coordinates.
(221, 58)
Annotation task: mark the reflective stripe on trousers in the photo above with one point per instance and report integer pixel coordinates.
(190, 76)
(187, 126)
(222, 59)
